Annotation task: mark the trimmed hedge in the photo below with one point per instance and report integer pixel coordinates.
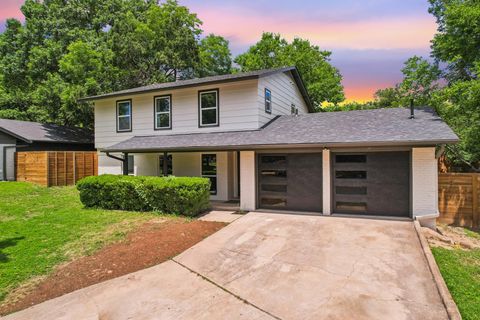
(174, 195)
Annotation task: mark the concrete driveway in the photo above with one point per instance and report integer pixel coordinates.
(273, 266)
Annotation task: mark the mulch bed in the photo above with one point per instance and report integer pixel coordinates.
(150, 244)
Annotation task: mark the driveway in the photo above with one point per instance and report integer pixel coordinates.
(273, 266)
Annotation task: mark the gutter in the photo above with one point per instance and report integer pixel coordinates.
(287, 145)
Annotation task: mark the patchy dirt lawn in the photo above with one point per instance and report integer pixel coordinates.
(153, 243)
(450, 237)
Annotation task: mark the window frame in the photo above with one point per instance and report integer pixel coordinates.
(118, 115)
(155, 113)
(269, 102)
(217, 108)
(213, 193)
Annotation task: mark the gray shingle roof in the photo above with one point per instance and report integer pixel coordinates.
(379, 127)
(208, 80)
(34, 131)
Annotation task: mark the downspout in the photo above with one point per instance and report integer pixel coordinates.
(124, 161)
(440, 151)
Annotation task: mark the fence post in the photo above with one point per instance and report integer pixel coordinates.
(475, 207)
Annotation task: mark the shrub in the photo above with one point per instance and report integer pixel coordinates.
(182, 195)
(112, 192)
(178, 195)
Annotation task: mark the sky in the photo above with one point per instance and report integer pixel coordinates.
(369, 39)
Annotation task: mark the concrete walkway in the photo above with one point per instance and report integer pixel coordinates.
(272, 266)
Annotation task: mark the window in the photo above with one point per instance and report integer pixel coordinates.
(351, 174)
(268, 101)
(209, 170)
(350, 158)
(208, 108)
(169, 165)
(274, 160)
(163, 112)
(124, 116)
(131, 164)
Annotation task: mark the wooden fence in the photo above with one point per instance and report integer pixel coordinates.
(55, 168)
(459, 199)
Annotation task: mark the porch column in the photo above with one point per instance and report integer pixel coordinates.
(248, 185)
(326, 182)
(424, 193)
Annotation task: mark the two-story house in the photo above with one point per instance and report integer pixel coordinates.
(255, 136)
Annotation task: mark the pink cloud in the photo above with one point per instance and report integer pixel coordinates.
(392, 33)
(11, 9)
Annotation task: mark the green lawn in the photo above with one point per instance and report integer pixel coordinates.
(461, 271)
(42, 227)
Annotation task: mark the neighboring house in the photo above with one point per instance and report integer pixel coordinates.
(33, 136)
(255, 137)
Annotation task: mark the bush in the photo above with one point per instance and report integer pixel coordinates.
(177, 195)
(182, 195)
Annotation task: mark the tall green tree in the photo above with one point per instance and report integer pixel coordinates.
(457, 41)
(67, 49)
(215, 56)
(323, 81)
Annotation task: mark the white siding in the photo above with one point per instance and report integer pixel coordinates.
(424, 182)
(108, 165)
(247, 181)
(284, 93)
(238, 111)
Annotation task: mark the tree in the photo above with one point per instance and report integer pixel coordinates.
(215, 57)
(69, 49)
(388, 97)
(457, 40)
(323, 81)
(420, 81)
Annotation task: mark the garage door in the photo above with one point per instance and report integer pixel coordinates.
(372, 183)
(290, 181)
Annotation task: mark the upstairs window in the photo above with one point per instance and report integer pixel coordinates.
(209, 170)
(208, 108)
(163, 112)
(268, 101)
(124, 116)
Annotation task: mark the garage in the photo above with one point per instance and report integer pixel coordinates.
(375, 183)
(290, 181)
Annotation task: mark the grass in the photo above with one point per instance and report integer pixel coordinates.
(461, 271)
(43, 227)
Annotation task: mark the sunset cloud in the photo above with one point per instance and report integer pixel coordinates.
(369, 39)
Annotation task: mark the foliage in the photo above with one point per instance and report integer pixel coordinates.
(112, 192)
(459, 105)
(215, 57)
(180, 195)
(70, 49)
(460, 269)
(457, 41)
(323, 81)
(173, 195)
(43, 227)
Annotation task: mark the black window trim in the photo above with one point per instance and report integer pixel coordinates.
(265, 97)
(117, 115)
(200, 92)
(208, 176)
(169, 96)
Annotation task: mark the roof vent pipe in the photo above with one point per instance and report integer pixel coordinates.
(412, 110)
